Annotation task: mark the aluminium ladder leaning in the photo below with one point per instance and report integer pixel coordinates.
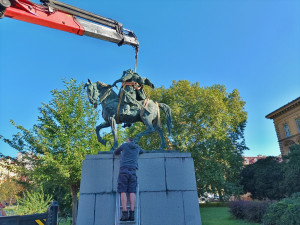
(119, 209)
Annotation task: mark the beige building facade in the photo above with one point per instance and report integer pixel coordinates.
(287, 125)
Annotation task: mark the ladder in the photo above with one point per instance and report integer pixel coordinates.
(119, 209)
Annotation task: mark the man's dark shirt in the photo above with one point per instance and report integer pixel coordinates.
(129, 156)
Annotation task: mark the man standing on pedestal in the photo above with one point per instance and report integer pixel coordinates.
(127, 180)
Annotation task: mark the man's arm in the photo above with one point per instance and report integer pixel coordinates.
(118, 150)
(123, 79)
(117, 81)
(148, 82)
(141, 151)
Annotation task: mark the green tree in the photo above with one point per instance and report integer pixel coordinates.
(292, 171)
(32, 203)
(10, 190)
(209, 123)
(284, 212)
(264, 179)
(56, 146)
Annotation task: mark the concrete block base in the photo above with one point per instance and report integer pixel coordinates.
(168, 192)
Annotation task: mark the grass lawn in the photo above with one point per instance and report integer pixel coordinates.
(220, 216)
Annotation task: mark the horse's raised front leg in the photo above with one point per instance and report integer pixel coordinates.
(161, 135)
(112, 122)
(98, 128)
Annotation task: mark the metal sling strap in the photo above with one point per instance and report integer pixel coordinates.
(107, 93)
(158, 115)
(118, 108)
(136, 57)
(134, 85)
(146, 102)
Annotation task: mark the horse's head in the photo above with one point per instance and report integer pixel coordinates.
(92, 92)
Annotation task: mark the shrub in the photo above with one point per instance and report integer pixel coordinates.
(213, 204)
(35, 202)
(285, 212)
(264, 179)
(255, 211)
(252, 211)
(237, 208)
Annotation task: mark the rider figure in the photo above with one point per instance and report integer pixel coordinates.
(132, 84)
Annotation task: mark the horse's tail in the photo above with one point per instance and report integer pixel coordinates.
(167, 111)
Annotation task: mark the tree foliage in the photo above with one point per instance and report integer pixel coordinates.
(285, 212)
(54, 148)
(32, 203)
(209, 123)
(264, 179)
(10, 190)
(271, 179)
(292, 171)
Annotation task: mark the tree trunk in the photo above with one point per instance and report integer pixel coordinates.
(220, 196)
(10, 199)
(74, 191)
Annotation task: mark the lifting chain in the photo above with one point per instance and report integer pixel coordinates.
(136, 56)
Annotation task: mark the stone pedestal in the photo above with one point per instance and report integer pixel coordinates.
(168, 193)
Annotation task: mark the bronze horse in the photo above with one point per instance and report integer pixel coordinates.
(103, 93)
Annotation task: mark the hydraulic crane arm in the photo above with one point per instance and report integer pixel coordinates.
(60, 16)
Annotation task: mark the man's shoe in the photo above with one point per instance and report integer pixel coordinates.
(131, 215)
(124, 216)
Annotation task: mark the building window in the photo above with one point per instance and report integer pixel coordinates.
(298, 124)
(286, 130)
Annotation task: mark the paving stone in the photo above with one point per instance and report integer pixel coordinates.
(86, 209)
(191, 208)
(180, 174)
(162, 208)
(105, 209)
(96, 176)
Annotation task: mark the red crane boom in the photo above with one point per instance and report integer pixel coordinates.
(61, 16)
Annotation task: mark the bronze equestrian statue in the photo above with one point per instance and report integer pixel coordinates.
(130, 106)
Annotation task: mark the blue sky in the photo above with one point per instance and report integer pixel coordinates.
(252, 46)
